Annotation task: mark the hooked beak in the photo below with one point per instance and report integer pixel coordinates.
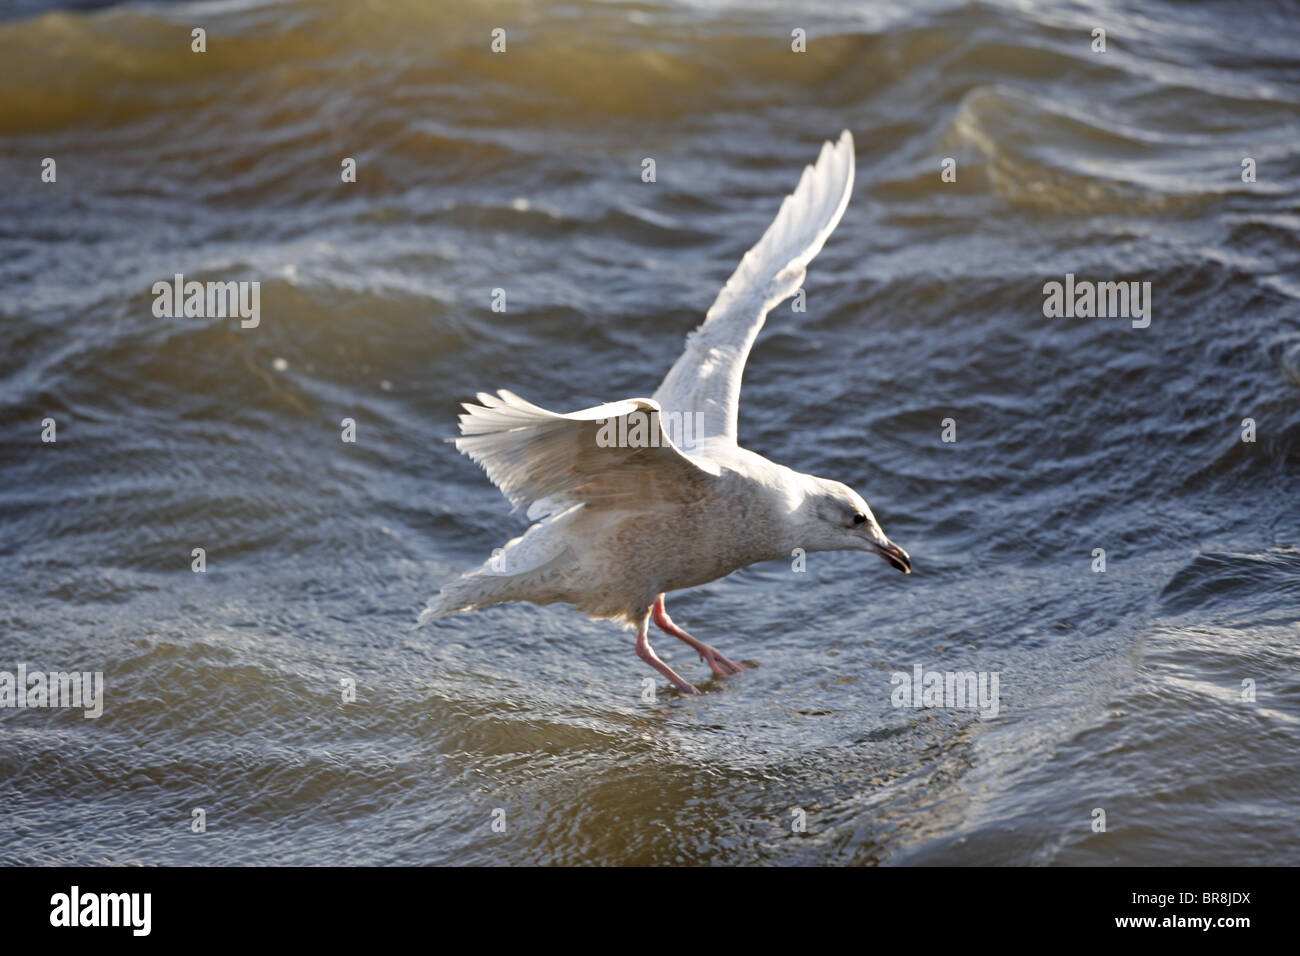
(895, 556)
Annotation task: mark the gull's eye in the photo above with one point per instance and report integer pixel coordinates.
(859, 518)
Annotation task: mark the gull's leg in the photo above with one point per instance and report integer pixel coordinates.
(647, 654)
(717, 663)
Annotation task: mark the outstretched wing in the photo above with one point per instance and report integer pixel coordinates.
(615, 454)
(706, 379)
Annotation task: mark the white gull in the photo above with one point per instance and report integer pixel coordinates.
(636, 498)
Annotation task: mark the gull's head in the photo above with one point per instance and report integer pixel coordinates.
(837, 518)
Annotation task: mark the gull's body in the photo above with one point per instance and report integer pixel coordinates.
(623, 514)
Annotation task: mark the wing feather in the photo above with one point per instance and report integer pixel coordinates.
(609, 455)
(706, 378)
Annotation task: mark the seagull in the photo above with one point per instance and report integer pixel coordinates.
(633, 499)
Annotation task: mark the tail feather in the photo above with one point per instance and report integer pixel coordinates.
(524, 570)
(457, 595)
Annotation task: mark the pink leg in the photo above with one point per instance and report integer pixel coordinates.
(717, 663)
(647, 654)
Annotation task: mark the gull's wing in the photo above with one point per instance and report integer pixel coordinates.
(706, 379)
(611, 454)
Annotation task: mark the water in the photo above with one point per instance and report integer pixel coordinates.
(1119, 690)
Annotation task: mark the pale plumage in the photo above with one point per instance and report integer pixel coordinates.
(623, 514)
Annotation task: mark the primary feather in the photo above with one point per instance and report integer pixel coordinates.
(706, 379)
